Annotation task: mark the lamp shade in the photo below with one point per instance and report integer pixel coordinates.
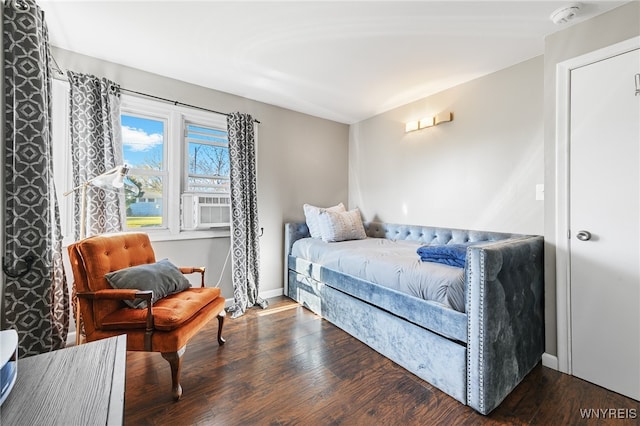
(118, 181)
(113, 178)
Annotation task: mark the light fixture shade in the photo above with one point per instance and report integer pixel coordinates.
(443, 117)
(411, 126)
(112, 178)
(118, 181)
(426, 122)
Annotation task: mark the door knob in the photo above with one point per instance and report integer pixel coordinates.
(583, 235)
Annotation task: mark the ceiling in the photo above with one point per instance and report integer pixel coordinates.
(342, 60)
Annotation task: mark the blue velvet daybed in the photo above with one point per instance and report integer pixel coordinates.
(477, 350)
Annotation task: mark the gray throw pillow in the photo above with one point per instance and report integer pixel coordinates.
(162, 277)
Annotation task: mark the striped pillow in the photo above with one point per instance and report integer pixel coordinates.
(311, 215)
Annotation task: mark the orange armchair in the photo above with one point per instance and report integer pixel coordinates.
(165, 326)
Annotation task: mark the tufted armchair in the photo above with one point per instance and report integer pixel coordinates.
(165, 326)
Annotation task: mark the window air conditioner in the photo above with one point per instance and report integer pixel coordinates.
(205, 210)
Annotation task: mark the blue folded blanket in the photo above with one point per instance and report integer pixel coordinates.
(448, 254)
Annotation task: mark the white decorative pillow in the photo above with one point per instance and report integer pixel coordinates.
(311, 215)
(341, 226)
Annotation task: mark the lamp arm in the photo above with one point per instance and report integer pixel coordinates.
(76, 188)
(90, 181)
(119, 171)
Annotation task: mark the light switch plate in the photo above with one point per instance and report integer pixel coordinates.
(540, 191)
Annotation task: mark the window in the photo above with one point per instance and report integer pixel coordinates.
(179, 160)
(206, 203)
(207, 159)
(144, 152)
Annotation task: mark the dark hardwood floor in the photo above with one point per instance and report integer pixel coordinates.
(286, 366)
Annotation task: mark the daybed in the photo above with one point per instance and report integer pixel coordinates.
(477, 350)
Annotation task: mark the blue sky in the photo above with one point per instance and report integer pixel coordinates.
(142, 140)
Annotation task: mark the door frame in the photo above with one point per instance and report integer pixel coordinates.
(563, 134)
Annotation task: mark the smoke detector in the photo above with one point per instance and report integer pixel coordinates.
(565, 13)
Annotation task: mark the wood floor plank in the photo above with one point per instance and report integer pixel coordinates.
(286, 366)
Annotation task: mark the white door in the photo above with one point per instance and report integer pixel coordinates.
(604, 217)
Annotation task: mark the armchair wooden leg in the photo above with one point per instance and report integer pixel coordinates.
(221, 316)
(175, 361)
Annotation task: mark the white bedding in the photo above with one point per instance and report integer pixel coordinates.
(389, 263)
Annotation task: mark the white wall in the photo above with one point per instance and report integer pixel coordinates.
(300, 159)
(477, 172)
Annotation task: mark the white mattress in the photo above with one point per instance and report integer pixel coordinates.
(389, 263)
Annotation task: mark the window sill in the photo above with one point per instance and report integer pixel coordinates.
(165, 235)
(190, 235)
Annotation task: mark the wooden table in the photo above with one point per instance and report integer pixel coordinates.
(80, 385)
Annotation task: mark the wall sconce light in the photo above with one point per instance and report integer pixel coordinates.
(423, 123)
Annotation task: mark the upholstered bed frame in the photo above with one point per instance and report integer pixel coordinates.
(478, 356)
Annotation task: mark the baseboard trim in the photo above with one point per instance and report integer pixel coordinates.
(263, 294)
(550, 361)
(272, 293)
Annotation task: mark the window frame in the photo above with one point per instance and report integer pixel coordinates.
(163, 172)
(173, 154)
(176, 156)
(186, 141)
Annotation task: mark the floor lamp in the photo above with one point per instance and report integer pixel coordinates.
(113, 178)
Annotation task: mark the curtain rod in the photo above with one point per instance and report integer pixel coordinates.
(178, 103)
(62, 75)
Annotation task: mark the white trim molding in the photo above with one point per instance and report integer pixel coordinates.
(263, 295)
(563, 243)
(550, 361)
(272, 293)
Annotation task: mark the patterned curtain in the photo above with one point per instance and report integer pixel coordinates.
(96, 147)
(244, 214)
(36, 301)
